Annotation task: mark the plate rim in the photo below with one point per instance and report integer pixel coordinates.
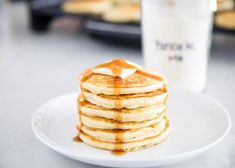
(46, 140)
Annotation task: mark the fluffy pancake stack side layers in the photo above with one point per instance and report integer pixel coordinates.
(122, 107)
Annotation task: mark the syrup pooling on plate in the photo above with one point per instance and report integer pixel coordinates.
(118, 153)
(77, 139)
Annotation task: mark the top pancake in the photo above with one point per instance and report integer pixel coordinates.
(140, 81)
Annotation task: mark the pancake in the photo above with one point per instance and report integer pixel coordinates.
(126, 2)
(125, 135)
(121, 115)
(138, 82)
(127, 101)
(122, 107)
(122, 13)
(103, 123)
(223, 5)
(126, 146)
(95, 7)
(226, 20)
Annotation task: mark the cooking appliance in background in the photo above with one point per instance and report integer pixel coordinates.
(43, 12)
(176, 40)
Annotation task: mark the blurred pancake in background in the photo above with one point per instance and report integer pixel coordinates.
(225, 5)
(122, 14)
(93, 7)
(225, 20)
(126, 2)
(119, 11)
(120, 19)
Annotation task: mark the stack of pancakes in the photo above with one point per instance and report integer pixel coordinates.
(122, 107)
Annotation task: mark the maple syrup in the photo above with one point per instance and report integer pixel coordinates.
(116, 66)
(149, 75)
(118, 153)
(77, 139)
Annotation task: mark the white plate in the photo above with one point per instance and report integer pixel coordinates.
(197, 121)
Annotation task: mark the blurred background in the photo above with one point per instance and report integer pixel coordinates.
(107, 20)
(45, 44)
(113, 22)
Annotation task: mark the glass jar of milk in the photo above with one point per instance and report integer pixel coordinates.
(176, 40)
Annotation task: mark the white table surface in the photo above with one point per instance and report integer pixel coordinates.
(37, 67)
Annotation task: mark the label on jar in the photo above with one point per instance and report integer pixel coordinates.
(177, 48)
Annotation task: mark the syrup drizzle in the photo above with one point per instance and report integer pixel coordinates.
(149, 75)
(83, 103)
(86, 75)
(116, 67)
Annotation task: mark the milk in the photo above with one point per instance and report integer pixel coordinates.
(176, 42)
